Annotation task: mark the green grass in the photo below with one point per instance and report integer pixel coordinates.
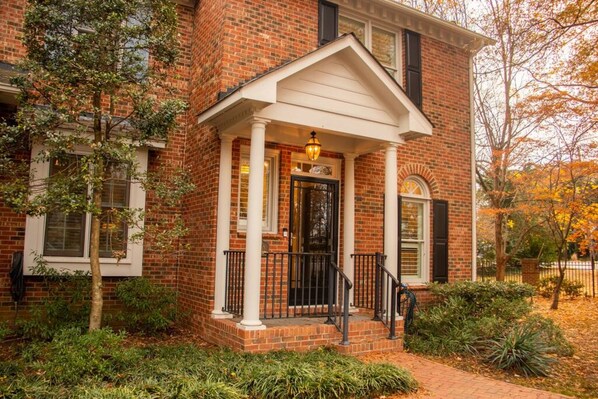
(101, 365)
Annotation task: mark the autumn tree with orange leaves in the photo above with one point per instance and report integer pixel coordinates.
(563, 194)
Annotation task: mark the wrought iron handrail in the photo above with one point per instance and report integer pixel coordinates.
(386, 293)
(340, 317)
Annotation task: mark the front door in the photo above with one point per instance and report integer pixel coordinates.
(314, 232)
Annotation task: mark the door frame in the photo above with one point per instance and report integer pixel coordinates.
(335, 208)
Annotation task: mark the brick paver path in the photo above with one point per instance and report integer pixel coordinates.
(444, 382)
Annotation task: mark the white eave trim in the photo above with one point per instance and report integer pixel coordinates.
(410, 18)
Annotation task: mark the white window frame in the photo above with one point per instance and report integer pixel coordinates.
(333, 163)
(369, 24)
(425, 200)
(270, 225)
(129, 266)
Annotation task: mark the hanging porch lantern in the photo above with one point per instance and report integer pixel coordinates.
(313, 146)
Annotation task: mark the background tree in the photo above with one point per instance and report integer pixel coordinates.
(563, 193)
(94, 71)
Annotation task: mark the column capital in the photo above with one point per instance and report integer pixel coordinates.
(227, 138)
(390, 146)
(350, 156)
(256, 120)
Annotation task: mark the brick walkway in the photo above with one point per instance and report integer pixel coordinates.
(443, 382)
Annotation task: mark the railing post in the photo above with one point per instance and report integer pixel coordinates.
(377, 287)
(345, 340)
(330, 293)
(393, 311)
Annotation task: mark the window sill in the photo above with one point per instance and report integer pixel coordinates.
(110, 267)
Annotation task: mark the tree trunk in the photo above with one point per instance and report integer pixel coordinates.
(557, 288)
(97, 299)
(500, 247)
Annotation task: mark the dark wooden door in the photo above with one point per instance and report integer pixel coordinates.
(314, 233)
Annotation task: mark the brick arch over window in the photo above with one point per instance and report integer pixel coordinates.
(422, 171)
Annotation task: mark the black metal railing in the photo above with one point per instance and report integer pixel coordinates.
(293, 285)
(386, 295)
(296, 284)
(338, 306)
(376, 289)
(235, 279)
(364, 271)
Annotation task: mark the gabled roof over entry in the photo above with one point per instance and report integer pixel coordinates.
(340, 90)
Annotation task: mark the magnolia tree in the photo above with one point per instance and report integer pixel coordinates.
(92, 81)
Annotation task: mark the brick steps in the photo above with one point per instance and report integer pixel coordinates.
(371, 336)
(365, 335)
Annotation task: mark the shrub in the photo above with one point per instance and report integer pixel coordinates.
(66, 306)
(4, 330)
(468, 314)
(480, 293)
(378, 379)
(72, 356)
(521, 349)
(96, 365)
(572, 289)
(149, 308)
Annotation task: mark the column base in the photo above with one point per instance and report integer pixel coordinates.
(251, 325)
(220, 314)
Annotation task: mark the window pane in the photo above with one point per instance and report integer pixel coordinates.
(244, 189)
(411, 187)
(384, 47)
(115, 196)
(412, 221)
(411, 260)
(348, 25)
(113, 235)
(64, 234)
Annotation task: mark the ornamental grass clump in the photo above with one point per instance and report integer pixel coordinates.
(521, 350)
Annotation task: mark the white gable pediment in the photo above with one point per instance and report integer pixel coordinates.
(340, 89)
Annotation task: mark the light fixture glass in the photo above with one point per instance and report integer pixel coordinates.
(313, 146)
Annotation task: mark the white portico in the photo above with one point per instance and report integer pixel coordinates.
(344, 94)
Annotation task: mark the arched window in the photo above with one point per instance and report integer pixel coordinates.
(415, 230)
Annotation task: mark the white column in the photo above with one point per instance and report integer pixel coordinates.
(349, 220)
(391, 209)
(253, 242)
(223, 224)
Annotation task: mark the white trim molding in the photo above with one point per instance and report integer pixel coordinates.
(131, 265)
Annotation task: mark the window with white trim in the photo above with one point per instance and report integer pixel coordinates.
(64, 239)
(382, 42)
(415, 231)
(323, 167)
(270, 194)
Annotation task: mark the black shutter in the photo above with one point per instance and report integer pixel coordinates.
(400, 233)
(414, 69)
(441, 231)
(328, 22)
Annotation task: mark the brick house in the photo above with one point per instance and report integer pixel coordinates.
(277, 235)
